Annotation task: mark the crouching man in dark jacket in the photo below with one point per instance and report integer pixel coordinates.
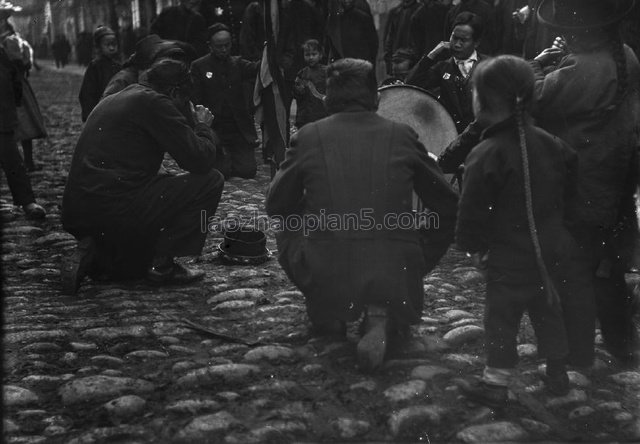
(129, 220)
(345, 182)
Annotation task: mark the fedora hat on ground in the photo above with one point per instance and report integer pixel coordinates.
(244, 247)
(583, 14)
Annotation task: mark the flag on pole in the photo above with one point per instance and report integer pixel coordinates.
(269, 90)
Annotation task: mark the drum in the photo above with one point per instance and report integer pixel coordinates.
(422, 112)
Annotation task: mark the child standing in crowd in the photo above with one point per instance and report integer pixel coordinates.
(309, 88)
(512, 220)
(402, 61)
(100, 70)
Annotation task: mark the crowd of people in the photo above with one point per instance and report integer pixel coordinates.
(545, 97)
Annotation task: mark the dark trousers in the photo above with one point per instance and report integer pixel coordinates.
(164, 219)
(613, 297)
(239, 159)
(13, 166)
(506, 302)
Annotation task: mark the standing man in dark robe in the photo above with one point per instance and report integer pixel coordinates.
(218, 80)
(183, 23)
(353, 34)
(397, 33)
(252, 32)
(227, 12)
(357, 166)
(511, 29)
(131, 221)
(427, 25)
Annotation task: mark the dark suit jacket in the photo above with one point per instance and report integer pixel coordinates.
(344, 164)
(218, 85)
(444, 79)
(427, 26)
(397, 32)
(120, 150)
(95, 80)
(358, 36)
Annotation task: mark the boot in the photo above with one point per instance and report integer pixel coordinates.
(373, 345)
(165, 271)
(76, 267)
(491, 395)
(556, 379)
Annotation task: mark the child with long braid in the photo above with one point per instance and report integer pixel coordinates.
(511, 219)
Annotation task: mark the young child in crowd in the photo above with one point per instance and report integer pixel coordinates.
(309, 88)
(511, 218)
(402, 61)
(100, 70)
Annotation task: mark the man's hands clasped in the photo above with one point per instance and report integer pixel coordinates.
(201, 114)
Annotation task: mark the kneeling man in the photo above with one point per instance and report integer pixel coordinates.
(130, 220)
(343, 195)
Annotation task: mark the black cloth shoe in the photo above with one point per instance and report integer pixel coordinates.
(372, 347)
(174, 274)
(495, 396)
(76, 266)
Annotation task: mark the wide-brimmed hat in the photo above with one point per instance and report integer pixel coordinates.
(244, 247)
(583, 14)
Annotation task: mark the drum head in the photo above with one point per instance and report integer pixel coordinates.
(422, 112)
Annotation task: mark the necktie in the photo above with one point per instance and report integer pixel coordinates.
(465, 67)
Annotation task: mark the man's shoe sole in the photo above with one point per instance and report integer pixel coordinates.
(175, 280)
(75, 268)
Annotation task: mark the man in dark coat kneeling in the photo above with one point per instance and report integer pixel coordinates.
(343, 197)
(130, 220)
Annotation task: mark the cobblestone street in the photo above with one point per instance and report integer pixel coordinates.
(123, 363)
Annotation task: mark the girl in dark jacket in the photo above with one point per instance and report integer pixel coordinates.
(100, 70)
(512, 221)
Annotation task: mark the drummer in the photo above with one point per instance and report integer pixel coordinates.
(366, 262)
(450, 78)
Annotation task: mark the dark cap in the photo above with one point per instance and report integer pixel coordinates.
(100, 32)
(169, 50)
(404, 54)
(145, 48)
(216, 28)
(168, 72)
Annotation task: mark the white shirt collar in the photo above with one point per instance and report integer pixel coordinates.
(472, 58)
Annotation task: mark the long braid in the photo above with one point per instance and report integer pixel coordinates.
(552, 294)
